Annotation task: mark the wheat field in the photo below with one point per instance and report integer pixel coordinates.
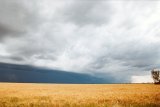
(79, 95)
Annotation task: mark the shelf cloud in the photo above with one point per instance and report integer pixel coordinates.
(99, 37)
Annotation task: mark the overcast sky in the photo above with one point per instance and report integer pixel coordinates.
(100, 37)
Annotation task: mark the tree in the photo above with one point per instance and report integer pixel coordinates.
(156, 76)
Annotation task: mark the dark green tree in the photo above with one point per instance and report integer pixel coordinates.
(156, 76)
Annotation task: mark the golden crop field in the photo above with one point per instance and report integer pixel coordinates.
(79, 95)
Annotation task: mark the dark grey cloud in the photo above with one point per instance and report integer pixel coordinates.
(17, 22)
(114, 38)
(27, 74)
(4, 31)
(138, 59)
(88, 12)
(16, 18)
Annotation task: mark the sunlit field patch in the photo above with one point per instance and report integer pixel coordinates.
(79, 95)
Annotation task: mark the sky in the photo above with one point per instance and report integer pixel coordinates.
(117, 38)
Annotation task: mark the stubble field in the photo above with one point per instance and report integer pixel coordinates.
(79, 95)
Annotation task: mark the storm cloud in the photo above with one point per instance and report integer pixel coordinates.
(119, 38)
